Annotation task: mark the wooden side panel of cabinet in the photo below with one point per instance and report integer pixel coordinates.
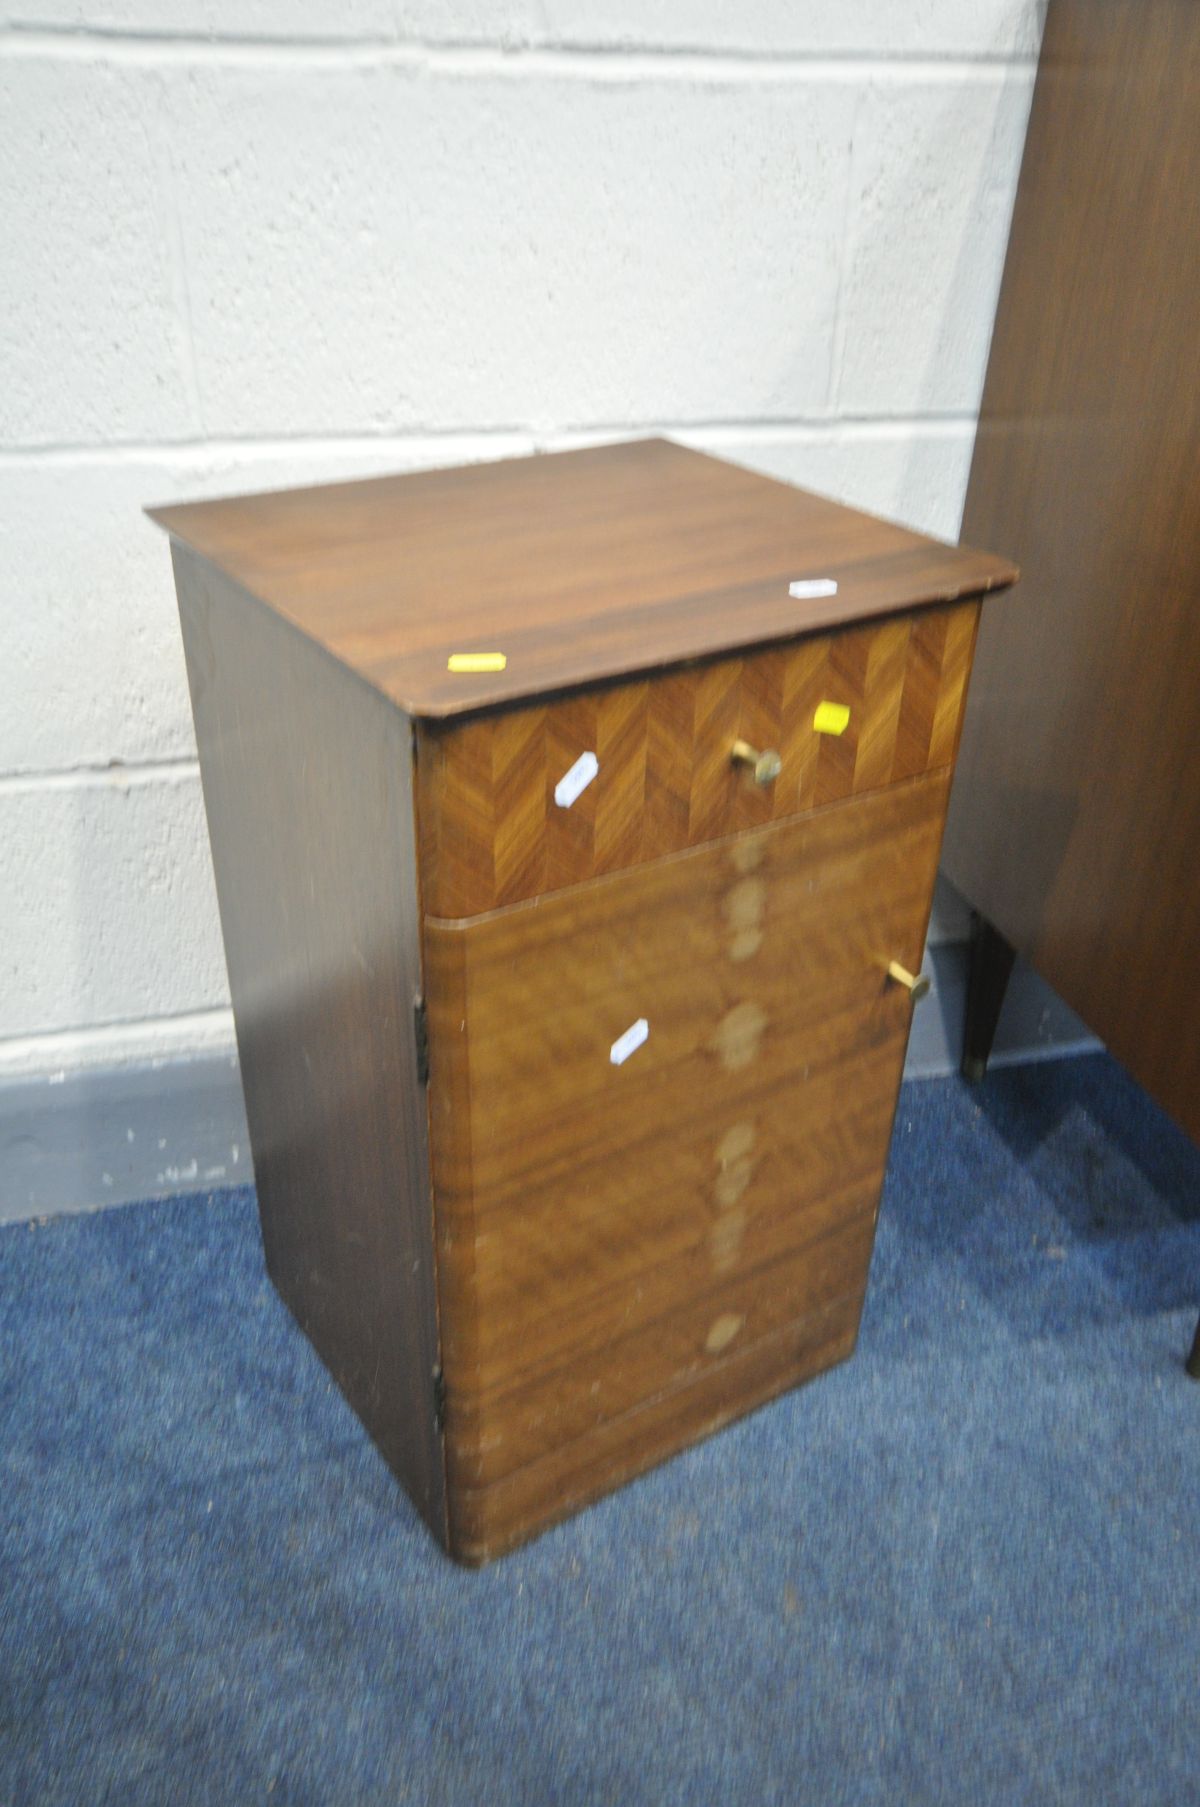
(491, 832)
(695, 1223)
(1075, 826)
(308, 789)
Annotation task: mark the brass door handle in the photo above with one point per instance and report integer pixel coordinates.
(766, 767)
(915, 984)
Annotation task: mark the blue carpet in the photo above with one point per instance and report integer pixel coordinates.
(964, 1567)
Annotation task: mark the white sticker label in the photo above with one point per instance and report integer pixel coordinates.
(805, 587)
(629, 1043)
(572, 784)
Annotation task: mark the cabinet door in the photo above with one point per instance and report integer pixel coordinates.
(660, 1106)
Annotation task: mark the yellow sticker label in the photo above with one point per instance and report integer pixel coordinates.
(476, 662)
(831, 718)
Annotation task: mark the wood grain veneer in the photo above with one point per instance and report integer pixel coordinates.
(1075, 827)
(606, 1233)
(578, 566)
(491, 832)
(577, 1472)
(536, 1270)
(307, 781)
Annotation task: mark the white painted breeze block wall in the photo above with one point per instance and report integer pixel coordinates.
(250, 245)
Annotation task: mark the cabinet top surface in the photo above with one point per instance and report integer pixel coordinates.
(574, 566)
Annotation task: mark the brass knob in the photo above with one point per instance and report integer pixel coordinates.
(766, 767)
(915, 984)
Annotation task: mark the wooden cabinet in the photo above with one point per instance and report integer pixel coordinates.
(1075, 829)
(568, 1036)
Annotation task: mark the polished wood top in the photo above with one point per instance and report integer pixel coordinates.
(576, 566)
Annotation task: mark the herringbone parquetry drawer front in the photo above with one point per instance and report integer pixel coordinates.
(492, 831)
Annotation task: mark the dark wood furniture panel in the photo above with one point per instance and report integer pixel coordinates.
(307, 780)
(1075, 827)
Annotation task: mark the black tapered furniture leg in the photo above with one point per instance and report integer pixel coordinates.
(989, 965)
(1193, 1360)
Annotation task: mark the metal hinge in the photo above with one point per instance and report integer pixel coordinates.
(439, 1399)
(421, 1037)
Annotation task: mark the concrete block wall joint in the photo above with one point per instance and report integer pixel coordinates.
(224, 150)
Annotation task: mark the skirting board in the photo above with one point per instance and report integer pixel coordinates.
(1034, 1024)
(106, 1136)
